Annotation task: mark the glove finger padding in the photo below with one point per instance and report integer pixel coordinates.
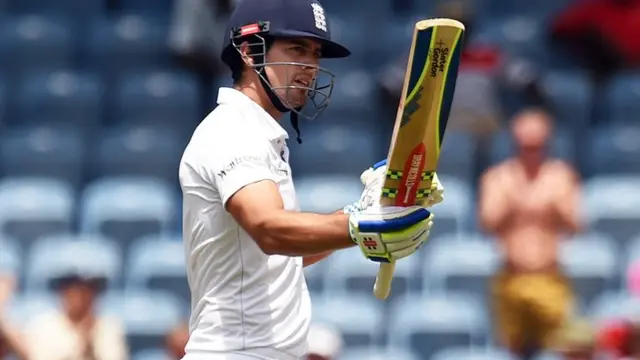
(390, 233)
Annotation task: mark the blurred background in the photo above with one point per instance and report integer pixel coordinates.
(98, 99)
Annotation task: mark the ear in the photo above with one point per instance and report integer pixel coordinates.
(245, 53)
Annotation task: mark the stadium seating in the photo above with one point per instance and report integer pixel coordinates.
(623, 98)
(460, 321)
(34, 42)
(161, 99)
(614, 206)
(127, 208)
(157, 263)
(591, 261)
(34, 207)
(142, 150)
(613, 149)
(460, 262)
(92, 255)
(61, 97)
(325, 194)
(56, 152)
(151, 354)
(472, 353)
(147, 315)
(456, 213)
(570, 94)
(378, 353)
(358, 317)
(10, 256)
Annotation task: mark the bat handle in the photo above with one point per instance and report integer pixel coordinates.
(382, 287)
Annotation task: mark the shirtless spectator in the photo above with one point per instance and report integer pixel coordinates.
(11, 342)
(528, 203)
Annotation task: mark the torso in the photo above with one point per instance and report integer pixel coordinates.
(242, 299)
(531, 239)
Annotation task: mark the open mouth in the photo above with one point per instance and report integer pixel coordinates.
(302, 82)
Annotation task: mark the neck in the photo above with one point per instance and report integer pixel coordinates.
(255, 92)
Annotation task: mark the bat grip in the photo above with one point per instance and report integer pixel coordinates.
(382, 287)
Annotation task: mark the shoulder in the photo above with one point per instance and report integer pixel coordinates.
(497, 170)
(563, 169)
(46, 322)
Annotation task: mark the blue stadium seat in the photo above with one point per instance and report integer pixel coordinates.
(359, 318)
(460, 262)
(591, 261)
(615, 305)
(158, 263)
(151, 151)
(457, 156)
(314, 276)
(61, 8)
(517, 36)
(147, 315)
(472, 353)
(159, 8)
(613, 149)
(151, 354)
(548, 355)
(630, 259)
(24, 306)
(430, 323)
(34, 207)
(561, 145)
(378, 353)
(43, 151)
(4, 100)
(334, 147)
(544, 9)
(126, 43)
(325, 194)
(353, 93)
(34, 42)
(127, 208)
(614, 206)
(61, 97)
(157, 98)
(348, 272)
(57, 255)
(10, 256)
(453, 214)
(623, 98)
(570, 94)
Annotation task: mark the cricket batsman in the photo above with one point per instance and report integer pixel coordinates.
(246, 240)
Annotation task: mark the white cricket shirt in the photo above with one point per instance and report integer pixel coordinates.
(241, 298)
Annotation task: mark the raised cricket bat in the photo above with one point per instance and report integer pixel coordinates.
(429, 84)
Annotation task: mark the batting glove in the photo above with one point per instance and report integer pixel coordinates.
(390, 233)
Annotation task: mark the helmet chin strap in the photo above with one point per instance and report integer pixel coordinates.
(275, 100)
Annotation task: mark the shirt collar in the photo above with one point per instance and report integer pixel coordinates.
(272, 128)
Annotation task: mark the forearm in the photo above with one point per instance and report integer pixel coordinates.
(301, 234)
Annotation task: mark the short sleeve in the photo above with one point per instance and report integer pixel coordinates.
(232, 165)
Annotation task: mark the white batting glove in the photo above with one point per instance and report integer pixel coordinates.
(390, 233)
(373, 179)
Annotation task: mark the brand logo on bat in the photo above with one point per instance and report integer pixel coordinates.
(412, 176)
(439, 58)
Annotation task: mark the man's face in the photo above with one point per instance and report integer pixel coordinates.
(78, 299)
(283, 77)
(531, 132)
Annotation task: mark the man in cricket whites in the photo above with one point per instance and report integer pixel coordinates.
(530, 202)
(245, 238)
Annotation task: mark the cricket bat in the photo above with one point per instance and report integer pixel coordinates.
(427, 94)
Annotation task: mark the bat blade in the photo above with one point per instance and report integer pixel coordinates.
(421, 121)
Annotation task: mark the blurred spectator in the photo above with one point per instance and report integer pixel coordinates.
(620, 339)
(602, 33)
(325, 343)
(575, 340)
(11, 342)
(176, 340)
(76, 332)
(527, 202)
(196, 37)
